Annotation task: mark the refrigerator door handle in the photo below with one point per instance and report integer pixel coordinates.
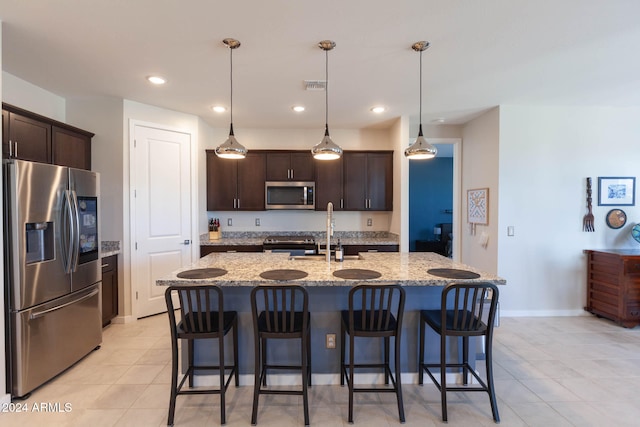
(38, 314)
(67, 249)
(75, 241)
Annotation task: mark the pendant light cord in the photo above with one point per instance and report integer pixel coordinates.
(326, 90)
(420, 91)
(231, 85)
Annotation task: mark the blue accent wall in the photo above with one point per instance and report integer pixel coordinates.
(430, 194)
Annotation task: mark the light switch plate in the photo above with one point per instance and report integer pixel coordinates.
(229, 222)
(510, 230)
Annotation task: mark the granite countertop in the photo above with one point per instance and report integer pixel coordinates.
(109, 247)
(408, 269)
(346, 238)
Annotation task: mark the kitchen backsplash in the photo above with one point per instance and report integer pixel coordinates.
(315, 234)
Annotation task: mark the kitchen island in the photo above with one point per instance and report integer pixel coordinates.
(328, 295)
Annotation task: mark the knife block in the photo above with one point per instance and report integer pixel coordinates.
(214, 235)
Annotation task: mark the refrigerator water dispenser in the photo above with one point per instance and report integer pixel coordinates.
(39, 242)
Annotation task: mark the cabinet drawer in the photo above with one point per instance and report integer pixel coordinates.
(109, 263)
(631, 266)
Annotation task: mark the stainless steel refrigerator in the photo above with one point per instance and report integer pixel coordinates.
(52, 270)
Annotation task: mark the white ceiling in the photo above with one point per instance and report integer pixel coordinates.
(483, 53)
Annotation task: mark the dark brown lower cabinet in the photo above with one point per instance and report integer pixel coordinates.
(109, 289)
(207, 249)
(356, 249)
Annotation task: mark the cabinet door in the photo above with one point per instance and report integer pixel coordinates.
(302, 166)
(222, 182)
(109, 289)
(70, 148)
(31, 138)
(5, 134)
(278, 166)
(251, 177)
(380, 181)
(328, 184)
(355, 179)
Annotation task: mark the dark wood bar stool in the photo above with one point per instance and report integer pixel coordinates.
(202, 316)
(462, 314)
(282, 312)
(375, 311)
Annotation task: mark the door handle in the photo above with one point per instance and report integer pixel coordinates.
(38, 314)
(186, 242)
(10, 148)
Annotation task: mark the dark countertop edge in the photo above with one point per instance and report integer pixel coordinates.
(624, 251)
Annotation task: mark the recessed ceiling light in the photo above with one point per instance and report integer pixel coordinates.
(157, 80)
(438, 120)
(378, 109)
(219, 108)
(298, 108)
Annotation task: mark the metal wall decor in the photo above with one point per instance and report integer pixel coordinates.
(616, 218)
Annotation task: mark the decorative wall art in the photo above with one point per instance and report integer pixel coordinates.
(616, 218)
(478, 206)
(616, 191)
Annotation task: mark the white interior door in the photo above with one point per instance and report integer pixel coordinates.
(161, 176)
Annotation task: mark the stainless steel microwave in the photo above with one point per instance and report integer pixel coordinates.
(290, 195)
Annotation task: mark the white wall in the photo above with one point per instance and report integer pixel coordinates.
(23, 94)
(480, 143)
(546, 154)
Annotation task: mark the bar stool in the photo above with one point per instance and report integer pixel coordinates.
(375, 311)
(462, 311)
(202, 316)
(282, 312)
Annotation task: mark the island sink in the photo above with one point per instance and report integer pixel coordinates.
(323, 257)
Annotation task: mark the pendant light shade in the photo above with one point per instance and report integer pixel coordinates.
(326, 149)
(420, 149)
(231, 148)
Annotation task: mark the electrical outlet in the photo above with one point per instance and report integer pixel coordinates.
(331, 340)
(257, 222)
(369, 222)
(229, 222)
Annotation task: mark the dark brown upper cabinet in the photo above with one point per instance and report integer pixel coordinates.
(29, 136)
(236, 184)
(368, 180)
(329, 184)
(290, 166)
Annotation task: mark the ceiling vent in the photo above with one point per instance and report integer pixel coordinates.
(315, 84)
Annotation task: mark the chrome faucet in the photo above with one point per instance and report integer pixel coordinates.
(329, 229)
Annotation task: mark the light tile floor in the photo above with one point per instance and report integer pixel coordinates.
(568, 371)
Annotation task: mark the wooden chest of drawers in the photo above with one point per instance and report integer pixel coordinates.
(613, 285)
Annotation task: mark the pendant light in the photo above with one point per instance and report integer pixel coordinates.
(326, 149)
(420, 149)
(231, 148)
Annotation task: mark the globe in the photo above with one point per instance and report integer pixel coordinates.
(635, 232)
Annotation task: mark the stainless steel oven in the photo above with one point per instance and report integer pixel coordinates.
(290, 195)
(294, 245)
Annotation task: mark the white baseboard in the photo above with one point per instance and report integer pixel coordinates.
(289, 380)
(543, 313)
(5, 399)
(124, 319)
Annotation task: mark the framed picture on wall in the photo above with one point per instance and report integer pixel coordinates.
(616, 191)
(478, 206)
